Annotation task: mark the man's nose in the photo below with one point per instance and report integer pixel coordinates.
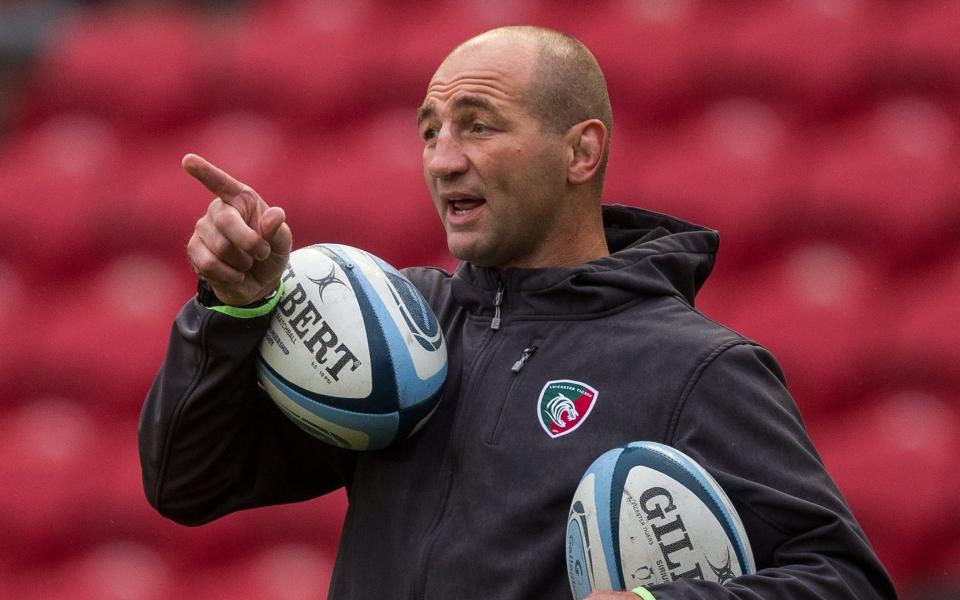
(446, 158)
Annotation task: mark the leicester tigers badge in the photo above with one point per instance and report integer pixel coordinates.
(564, 405)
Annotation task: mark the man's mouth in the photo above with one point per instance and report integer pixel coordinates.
(462, 206)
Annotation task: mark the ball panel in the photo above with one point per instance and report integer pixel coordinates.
(583, 524)
(306, 343)
(666, 516)
(607, 513)
(382, 347)
(367, 405)
(416, 312)
(695, 478)
(419, 327)
(577, 564)
(357, 431)
(353, 353)
(666, 532)
(414, 417)
(415, 379)
(323, 430)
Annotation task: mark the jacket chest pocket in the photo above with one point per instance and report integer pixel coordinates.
(514, 403)
(539, 403)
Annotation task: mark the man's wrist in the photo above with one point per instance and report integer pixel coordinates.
(208, 299)
(643, 593)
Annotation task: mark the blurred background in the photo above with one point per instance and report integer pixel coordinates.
(820, 137)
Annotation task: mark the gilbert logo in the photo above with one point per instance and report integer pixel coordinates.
(325, 282)
(564, 405)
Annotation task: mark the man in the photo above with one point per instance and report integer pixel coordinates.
(516, 127)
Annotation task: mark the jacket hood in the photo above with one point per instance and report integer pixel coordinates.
(651, 254)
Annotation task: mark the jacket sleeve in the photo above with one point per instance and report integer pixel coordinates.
(211, 441)
(738, 421)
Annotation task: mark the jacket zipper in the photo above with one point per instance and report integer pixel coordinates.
(493, 438)
(524, 357)
(481, 363)
(497, 301)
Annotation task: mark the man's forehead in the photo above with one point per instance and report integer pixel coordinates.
(459, 101)
(482, 71)
(504, 57)
(497, 87)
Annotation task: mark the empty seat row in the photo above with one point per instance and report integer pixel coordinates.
(123, 570)
(318, 64)
(885, 180)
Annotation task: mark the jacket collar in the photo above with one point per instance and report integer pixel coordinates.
(651, 255)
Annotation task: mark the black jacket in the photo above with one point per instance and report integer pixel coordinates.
(475, 504)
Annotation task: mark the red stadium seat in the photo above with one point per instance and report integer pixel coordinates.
(13, 301)
(814, 311)
(55, 179)
(729, 169)
(887, 177)
(117, 570)
(368, 192)
(140, 66)
(305, 75)
(280, 572)
(105, 344)
(924, 319)
(807, 53)
(894, 459)
(163, 202)
(48, 472)
(927, 44)
(646, 50)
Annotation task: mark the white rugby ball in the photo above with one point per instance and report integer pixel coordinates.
(354, 355)
(646, 514)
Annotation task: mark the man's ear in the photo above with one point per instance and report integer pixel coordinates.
(586, 144)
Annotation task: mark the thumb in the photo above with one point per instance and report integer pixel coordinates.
(274, 229)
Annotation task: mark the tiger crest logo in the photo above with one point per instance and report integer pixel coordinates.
(564, 405)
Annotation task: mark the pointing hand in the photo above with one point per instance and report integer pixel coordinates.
(241, 246)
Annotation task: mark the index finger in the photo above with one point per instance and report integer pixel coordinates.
(213, 178)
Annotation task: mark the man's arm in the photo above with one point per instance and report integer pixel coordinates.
(740, 423)
(211, 442)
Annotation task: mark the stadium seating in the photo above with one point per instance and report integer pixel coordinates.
(821, 138)
(815, 311)
(893, 459)
(139, 67)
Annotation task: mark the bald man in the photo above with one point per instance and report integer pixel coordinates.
(553, 291)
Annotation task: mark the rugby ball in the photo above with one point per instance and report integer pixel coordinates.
(353, 355)
(646, 514)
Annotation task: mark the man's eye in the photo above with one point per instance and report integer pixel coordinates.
(429, 133)
(479, 128)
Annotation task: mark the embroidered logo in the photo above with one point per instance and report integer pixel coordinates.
(564, 405)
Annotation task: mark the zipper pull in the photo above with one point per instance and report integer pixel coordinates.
(497, 301)
(527, 353)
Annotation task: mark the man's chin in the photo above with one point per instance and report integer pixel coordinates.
(470, 250)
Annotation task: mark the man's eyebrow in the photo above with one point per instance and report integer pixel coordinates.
(473, 101)
(428, 110)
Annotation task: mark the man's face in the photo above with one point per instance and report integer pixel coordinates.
(496, 177)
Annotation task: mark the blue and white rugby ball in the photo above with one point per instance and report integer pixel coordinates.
(354, 355)
(646, 514)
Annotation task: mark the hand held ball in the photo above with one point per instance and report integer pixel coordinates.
(354, 355)
(646, 514)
